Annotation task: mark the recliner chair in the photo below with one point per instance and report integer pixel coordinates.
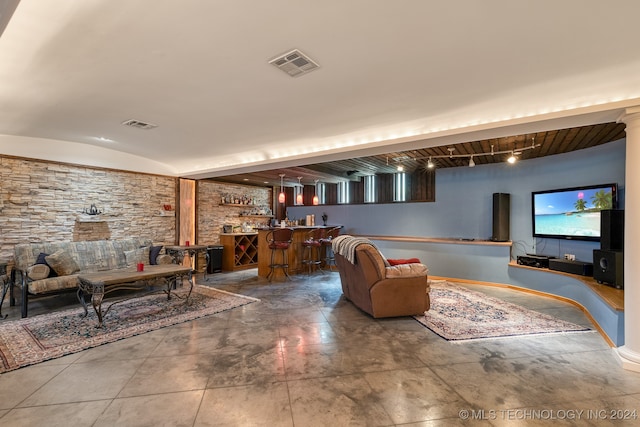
(376, 287)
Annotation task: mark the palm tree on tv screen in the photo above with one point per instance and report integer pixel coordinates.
(602, 200)
(580, 205)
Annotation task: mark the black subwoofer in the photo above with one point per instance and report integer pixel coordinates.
(501, 217)
(608, 267)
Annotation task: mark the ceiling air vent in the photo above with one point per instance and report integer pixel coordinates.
(138, 124)
(294, 63)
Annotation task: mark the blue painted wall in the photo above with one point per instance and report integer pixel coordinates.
(463, 206)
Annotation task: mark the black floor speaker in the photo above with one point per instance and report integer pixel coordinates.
(608, 267)
(501, 217)
(612, 230)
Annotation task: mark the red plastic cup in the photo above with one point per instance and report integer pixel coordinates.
(186, 243)
(140, 266)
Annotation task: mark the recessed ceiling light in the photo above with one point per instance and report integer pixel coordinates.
(103, 139)
(245, 179)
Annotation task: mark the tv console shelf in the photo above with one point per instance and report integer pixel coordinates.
(604, 305)
(612, 296)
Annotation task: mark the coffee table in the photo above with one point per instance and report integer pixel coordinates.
(101, 283)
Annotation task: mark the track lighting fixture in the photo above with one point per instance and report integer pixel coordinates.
(430, 164)
(511, 159)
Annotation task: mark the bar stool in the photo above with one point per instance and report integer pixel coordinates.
(279, 239)
(312, 244)
(330, 234)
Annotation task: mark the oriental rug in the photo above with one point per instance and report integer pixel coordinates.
(460, 314)
(43, 337)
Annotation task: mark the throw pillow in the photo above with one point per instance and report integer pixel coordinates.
(154, 251)
(393, 262)
(62, 263)
(41, 260)
(38, 271)
(137, 256)
(407, 270)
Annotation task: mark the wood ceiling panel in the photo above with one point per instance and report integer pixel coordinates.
(615, 132)
(571, 141)
(547, 143)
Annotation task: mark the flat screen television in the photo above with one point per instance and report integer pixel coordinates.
(572, 213)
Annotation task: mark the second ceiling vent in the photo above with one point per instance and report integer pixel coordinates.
(294, 63)
(139, 124)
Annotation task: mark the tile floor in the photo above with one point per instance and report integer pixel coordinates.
(303, 356)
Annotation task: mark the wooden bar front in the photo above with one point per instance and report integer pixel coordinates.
(295, 252)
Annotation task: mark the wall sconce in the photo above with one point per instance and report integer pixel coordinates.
(281, 196)
(299, 200)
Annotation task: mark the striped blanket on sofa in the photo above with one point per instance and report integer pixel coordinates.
(346, 245)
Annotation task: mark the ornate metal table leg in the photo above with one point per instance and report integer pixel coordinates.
(5, 288)
(80, 295)
(177, 254)
(96, 290)
(12, 284)
(96, 300)
(190, 280)
(206, 263)
(170, 283)
(192, 258)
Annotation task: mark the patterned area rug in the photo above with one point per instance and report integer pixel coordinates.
(48, 336)
(459, 314)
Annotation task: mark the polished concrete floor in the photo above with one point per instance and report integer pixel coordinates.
(304, 356)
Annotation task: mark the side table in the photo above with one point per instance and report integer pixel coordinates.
(178, 253)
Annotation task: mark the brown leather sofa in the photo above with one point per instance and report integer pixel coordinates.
(376, 287)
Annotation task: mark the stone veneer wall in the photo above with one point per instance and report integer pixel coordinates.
(213, 214)
(43, 201)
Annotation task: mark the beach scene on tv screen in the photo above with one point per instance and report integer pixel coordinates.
(572, 212)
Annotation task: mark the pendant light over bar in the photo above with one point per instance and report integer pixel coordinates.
(281, 196)
(299, 199)
(316, 201)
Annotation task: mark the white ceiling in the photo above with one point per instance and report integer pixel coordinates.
(393, 75)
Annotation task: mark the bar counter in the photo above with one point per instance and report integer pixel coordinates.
(296, 251)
